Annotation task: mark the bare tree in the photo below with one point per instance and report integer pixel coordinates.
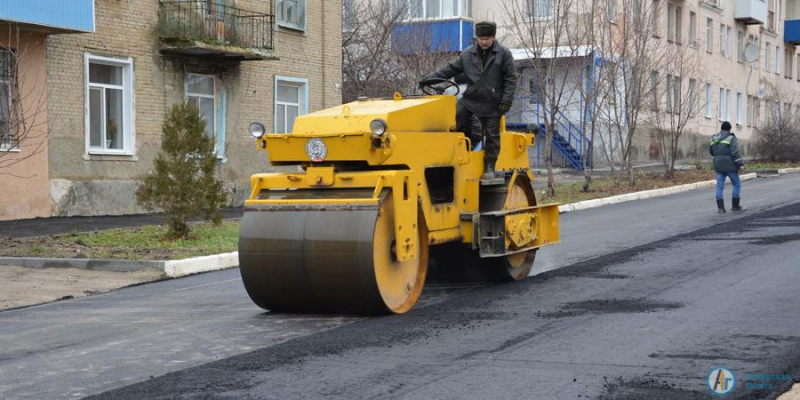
(636, 49)
(679, 79)
(381, 53)
(554, 45)
(22, 105)
(778, 137)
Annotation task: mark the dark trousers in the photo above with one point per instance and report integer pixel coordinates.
(489, 131)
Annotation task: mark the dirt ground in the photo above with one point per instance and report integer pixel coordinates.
(28, 286)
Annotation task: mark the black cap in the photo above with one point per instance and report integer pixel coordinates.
(726, 126)
(485, 28)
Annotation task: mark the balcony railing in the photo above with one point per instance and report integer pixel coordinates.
(213, 23)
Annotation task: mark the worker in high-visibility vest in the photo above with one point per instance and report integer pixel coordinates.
(728, 163)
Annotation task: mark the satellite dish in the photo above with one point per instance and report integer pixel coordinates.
(751, 52)
(761, 93)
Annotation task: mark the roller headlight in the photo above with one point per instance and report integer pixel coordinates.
(257, 130)
(378, 127)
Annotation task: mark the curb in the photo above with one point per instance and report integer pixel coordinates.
(171, 268)
(788, 170)
(647, 194)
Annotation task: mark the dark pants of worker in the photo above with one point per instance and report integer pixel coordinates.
(490, 132)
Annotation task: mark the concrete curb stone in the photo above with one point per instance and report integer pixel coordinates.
(647, 194)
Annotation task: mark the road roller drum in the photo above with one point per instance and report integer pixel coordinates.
(380, 190)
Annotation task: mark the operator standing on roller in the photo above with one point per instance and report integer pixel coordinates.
(491, 79)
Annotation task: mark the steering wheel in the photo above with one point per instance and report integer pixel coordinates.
(429, 86)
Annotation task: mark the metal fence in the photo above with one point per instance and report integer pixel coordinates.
(216, 23)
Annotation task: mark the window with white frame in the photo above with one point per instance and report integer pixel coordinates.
(709, 35)
(778, 60)
(756, 111)
(739, 108)
(729, 43)
(692, 97)
(611, 10)
(788, 59)
(749, 120)
(668, 92)
(692, 29)
(798, 68)
(539, 8)
(670, 22)
(654, 90)
(109, 105)
(7, 140)
(728, 105)
(291, 100)
(767, 49)
(655, 12)
(677, 29)
(292, 14)
(722, 40)
(201, 93)
(722, 105)
(709, 92)
(434, 9)
(740, 45)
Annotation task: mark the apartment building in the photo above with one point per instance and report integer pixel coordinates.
(238, 61)
(748, 89)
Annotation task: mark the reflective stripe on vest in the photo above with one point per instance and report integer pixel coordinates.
(725, 141)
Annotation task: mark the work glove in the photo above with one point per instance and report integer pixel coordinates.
(504, 108)
(423, 83)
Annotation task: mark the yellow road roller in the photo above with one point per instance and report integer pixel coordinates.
(371, 186)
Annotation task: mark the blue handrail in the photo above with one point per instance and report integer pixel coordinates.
(571, 143)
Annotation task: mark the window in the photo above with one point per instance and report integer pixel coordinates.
(729, 43)
(788, 59)
(721, 105)
(668, 93)
(654, 90)
(740, 46)
(291, 100)
(798, 68)
(201, 93)
(654, 14)
(766, 56)
(771, 15)
(292, 14)
(748, 122)
(670, 22)
(709, 35)
(756, 111)
(678, 12)
(692, 97)
(739, 108)
(537, 8)
(109, 105)
(611, 8)
(349, 15)
(676, 95)
(692, 29)
(728, 104)
(7, 140)
(778, 60)
(708, 100)
(636, 12)
(722, 40)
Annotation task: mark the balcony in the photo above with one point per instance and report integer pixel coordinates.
(750, 12)
(50, 16)
(791, 25)
(432, 36)
(211, 30)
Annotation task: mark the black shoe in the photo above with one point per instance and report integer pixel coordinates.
(720, 206)
(736, 207)
(489, 172)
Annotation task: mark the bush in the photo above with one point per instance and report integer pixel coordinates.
(183, 183)
(779, 142)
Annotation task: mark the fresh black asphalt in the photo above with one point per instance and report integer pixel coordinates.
(640, 301)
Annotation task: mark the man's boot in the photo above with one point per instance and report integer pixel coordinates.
(736, 207)
(488, 172)
(720, 206)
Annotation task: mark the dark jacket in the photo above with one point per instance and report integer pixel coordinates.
(487, 86)
(725, 149)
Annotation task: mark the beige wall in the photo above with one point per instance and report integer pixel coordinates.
(84, 184)
(24, 186)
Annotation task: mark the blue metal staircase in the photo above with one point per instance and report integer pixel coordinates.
(568, 138)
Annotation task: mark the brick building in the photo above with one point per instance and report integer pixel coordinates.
(239, 61)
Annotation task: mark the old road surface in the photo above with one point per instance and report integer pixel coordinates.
(641, 300)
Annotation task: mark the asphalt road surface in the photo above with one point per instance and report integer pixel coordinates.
(641, 300)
